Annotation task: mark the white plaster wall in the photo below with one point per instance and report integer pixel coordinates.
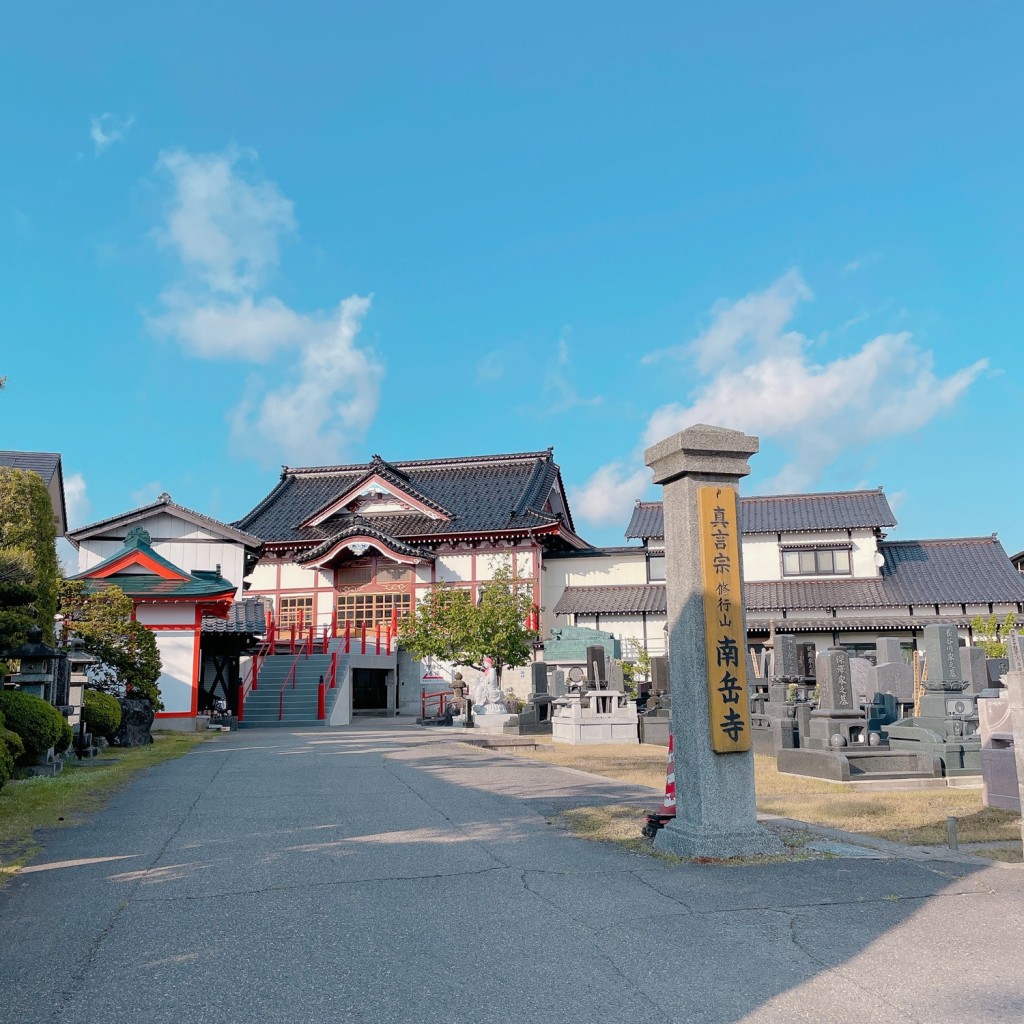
(187, 546)
(296, 577)
(760, 554)
(454, 568)
(166, 614)
(177, 655)
(862, 560)
(264, 576)
(488, 564)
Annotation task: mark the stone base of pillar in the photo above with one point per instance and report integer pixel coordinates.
(682, 840)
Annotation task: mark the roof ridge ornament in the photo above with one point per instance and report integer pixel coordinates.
(137, 535)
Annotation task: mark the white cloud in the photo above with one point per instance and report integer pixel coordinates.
(107, 129)
(759, 376)
(248, 328)
(490, 368)
(76, 500)
(605, 499)
(331, 397)
(560, 392)
(224, 223)
(770, 385)
(757, 318)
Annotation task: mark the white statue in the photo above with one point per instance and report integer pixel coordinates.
(487, 696)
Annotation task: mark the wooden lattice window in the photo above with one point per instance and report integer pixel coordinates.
(371, 608)
(288, 610)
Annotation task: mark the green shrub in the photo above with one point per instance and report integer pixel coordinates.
(38, 723)
(6, 753)
(66, 736)
(12, 741)
(102, 713)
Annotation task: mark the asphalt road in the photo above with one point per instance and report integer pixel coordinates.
(380, 873)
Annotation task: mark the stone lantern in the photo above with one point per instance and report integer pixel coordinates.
(79, 661)
(38, 664)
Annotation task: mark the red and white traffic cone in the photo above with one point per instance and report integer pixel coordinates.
(655, 820)
(668, 806)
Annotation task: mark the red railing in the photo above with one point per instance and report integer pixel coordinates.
(251, 680)
(440, 697)
(291, 677)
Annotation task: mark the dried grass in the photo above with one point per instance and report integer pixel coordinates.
(915, 817)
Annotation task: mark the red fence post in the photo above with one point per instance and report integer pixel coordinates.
(325, 639)
(348, 635)
(321, 701)
(292, 639)
(364, 636)
(378, 639)
(334, 622)
(256, 670)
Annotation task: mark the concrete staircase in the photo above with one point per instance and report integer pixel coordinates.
(262, 706)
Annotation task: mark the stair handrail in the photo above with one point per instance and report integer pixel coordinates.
(293, 676)
(334, 669)
(251, 680)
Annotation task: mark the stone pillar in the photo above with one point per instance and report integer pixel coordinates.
(716, 814)
(1015, 693)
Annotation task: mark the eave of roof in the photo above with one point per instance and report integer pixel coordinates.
(615, 599)
(164, 504)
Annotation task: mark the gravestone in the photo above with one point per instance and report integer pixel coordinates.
(862, 672)
(837, 721)
(596, 668)
(699, 469)
(806, 653)
(889, 651)
(974, 669)
(787, 662)
(947, 723)
(535, 717)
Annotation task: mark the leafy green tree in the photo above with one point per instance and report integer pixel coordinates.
(986, 633)
(28, 543)
(448, 626)
(129, 658)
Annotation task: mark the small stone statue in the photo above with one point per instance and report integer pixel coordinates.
(487, 696)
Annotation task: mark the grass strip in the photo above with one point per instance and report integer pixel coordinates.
(913, 817)
(28, 805)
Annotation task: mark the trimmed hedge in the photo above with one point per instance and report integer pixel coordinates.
(39, 724)
(7, 752)
(102, 713)
(66, 736)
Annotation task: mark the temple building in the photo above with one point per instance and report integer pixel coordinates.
(354, 546)
(814, 564)
(185, 573)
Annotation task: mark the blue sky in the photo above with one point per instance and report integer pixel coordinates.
(239, 236)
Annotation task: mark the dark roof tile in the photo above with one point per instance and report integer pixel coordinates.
(481, 494)
(784, 513)
(620, 599)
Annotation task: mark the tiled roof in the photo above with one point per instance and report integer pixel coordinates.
(246, 616)
(855, 624)
(139, 585)
(969, 570)
(163, 504)
(784, 513)
(197, 584)
(357, 526)
(966, 570)
(620, 599)
(43, 463)
(481, 494)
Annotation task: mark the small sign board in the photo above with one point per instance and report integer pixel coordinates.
(717, 509)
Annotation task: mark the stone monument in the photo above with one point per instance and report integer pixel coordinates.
(947, 724)
(699, 470)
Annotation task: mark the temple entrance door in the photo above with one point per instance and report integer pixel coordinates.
(369, 691)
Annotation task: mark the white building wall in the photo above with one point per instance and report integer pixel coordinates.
(182, 543)
(176, 682)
